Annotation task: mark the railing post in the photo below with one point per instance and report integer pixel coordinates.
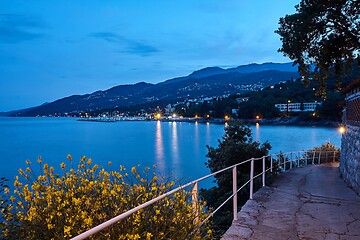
(291, 160)
(298, 159)
(313, 159)
(271, 163)
(306, 159)
(284, 162)
(251, 178)
(319, 161)
(263, 171)
(334, 156)
(235, 194)
(326, 158)
(195, 202)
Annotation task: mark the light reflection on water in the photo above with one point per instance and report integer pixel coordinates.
(196, 138)
(177, 149)
(207, 133)
(174, 144)
(257, 132)
(159, 148)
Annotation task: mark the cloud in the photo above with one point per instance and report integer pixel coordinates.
(8, 35)
(129, 45)
(106, 36)
(15, 28)
(140, 49)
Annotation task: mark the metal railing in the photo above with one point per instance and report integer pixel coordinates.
(282, 161)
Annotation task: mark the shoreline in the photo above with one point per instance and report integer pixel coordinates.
(294, 121)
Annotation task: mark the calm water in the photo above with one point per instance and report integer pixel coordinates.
(176, 148)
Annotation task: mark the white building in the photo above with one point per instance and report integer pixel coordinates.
(297, 107)
(311, 106)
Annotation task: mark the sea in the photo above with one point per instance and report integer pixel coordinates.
(177, 149)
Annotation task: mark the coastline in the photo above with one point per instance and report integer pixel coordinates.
(293, 121)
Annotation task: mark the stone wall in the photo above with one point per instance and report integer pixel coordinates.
(350, 142)
(350, 157)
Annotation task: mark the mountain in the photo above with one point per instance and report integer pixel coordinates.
(211, 81)
(249, 68)
(209, 71)
(254, 67)
(113, 97)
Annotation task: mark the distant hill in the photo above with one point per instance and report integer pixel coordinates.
(211, 81)
(254, 67)
(249, 68)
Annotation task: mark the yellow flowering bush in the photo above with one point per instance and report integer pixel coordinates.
(62, 205)
(4, 190)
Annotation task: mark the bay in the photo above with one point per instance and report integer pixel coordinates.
(177, 149)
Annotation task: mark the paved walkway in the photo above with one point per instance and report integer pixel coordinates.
(306, 203)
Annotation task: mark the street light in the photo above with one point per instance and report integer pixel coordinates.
(342, 129)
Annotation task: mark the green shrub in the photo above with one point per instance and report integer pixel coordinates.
(235, 147)
(327, 152)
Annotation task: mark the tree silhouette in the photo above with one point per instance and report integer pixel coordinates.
(322, 37)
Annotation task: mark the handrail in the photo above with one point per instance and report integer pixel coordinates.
(280, 164)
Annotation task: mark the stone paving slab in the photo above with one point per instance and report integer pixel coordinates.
(312, 202)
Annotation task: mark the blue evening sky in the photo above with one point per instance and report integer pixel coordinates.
(52, 49)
